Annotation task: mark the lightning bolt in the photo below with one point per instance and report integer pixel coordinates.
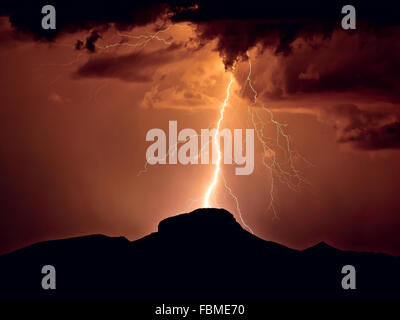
(277, 170)
(235, 198)
(143, 40)
(275, 167)
(258, 118)
(211, 187)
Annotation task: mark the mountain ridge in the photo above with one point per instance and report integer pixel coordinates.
(201, 254)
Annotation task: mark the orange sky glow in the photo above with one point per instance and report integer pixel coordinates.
(73, 127)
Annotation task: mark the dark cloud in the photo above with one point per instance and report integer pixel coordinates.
(237, 26)
(359, 62)
(364, 64)
(240, 26)
(89, 43)
(76, 15)
(138, 66)
(366, 129)
(236, 37)
(79, 45)
(383, 137)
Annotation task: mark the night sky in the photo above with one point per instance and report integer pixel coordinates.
(77, 102)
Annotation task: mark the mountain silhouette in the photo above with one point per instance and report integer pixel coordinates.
(204, 254)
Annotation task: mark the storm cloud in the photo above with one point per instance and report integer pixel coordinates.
(314, 56)
(365, 129)
(133, 67)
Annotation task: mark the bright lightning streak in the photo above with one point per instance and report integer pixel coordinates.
(275, 168)
(216, 142)
(285, 172)
(235, 198)
(143, 40)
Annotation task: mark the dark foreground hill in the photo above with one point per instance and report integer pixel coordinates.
(204, 254)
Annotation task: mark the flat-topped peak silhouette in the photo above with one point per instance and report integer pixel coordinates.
(201, 221)
(203, 254)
